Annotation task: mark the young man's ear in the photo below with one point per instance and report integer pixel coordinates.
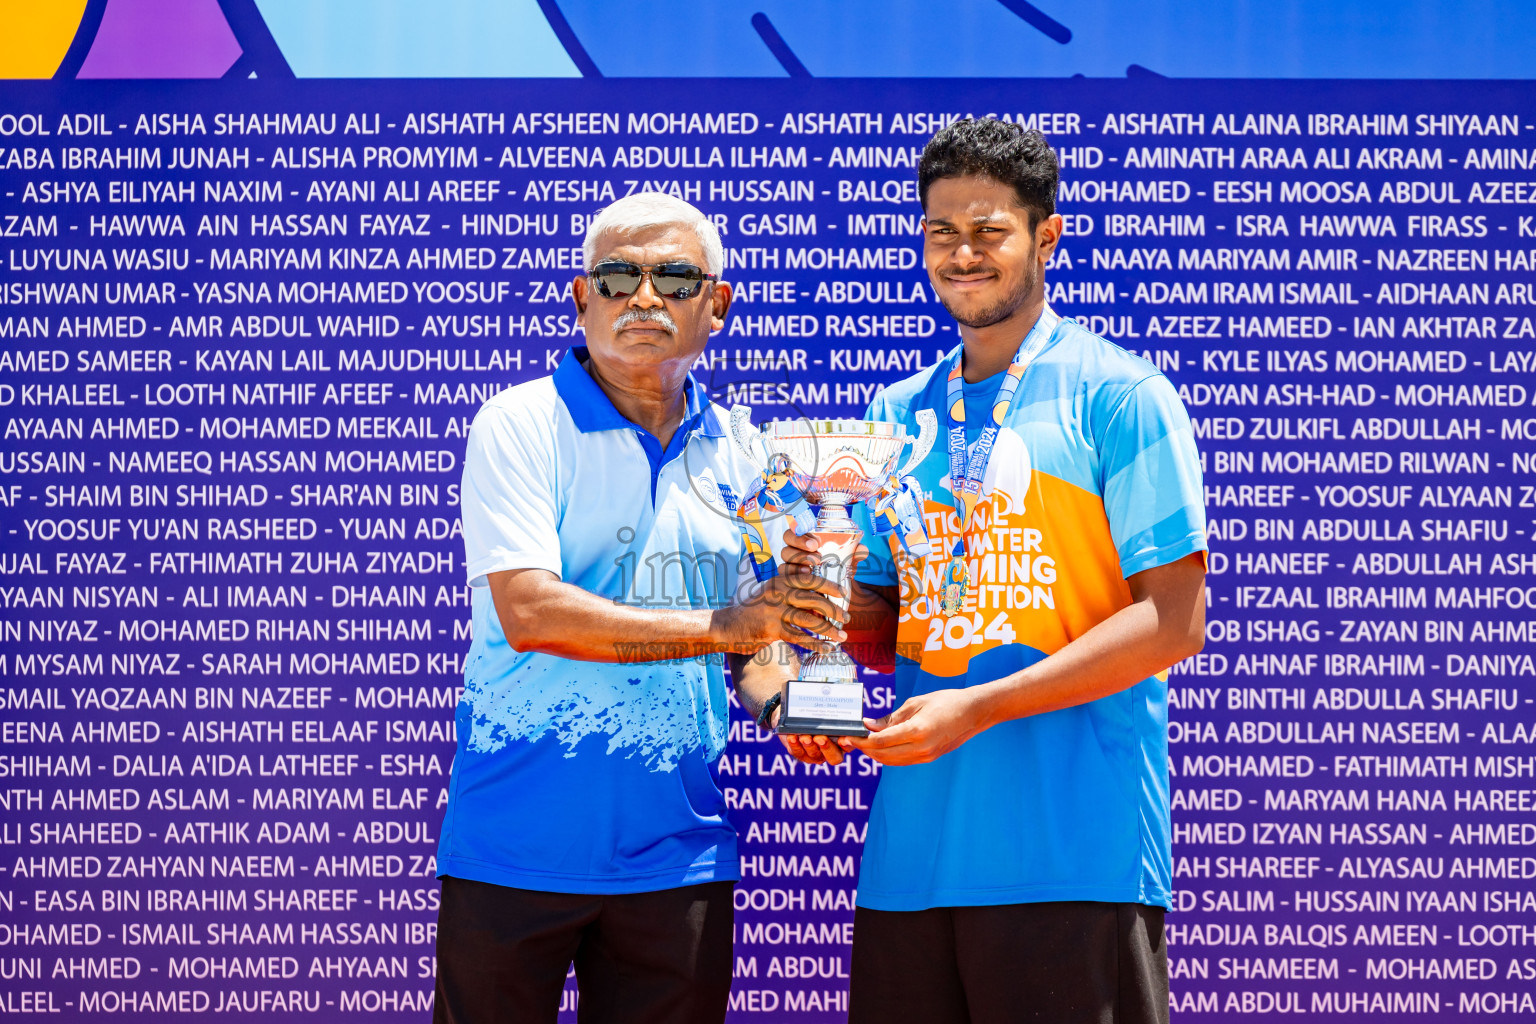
(1048, 233)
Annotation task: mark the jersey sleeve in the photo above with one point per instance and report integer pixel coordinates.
(1150, 478)
(511, 515)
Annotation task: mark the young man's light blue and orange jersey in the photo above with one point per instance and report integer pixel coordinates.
(1094, 478)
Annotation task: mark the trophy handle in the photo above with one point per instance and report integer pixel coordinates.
(928, 432)
(748, 439)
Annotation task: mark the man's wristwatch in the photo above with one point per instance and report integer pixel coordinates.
(765, 716)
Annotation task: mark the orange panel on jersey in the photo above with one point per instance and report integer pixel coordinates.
(1043, 571)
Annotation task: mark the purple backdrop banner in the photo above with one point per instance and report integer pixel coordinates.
(243, 329)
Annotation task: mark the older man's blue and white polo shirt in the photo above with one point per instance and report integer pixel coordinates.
(594, 777)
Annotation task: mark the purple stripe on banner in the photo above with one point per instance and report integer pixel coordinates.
(161, 39)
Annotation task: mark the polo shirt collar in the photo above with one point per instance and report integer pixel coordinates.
(591, 409)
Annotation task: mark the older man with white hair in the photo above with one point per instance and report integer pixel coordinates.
(585, 823)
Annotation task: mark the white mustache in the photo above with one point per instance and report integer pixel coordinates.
(635, 316)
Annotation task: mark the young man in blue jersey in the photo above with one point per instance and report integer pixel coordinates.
(1017, 865)
(585, 823)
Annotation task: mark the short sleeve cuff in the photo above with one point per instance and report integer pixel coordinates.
(1164, 554)
(502, 561)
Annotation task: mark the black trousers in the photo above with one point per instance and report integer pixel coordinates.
(641, 958)
(1062, 963)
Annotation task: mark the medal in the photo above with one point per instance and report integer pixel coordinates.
(968, 470)
(956, 583)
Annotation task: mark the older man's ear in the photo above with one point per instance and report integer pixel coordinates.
(579, 288)
(720, 304)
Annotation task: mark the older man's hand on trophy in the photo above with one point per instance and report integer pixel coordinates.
(799, 607)
(786, 608)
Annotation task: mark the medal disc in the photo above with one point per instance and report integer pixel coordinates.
(955, 585)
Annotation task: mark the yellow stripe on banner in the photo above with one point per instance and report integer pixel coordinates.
(35, 35)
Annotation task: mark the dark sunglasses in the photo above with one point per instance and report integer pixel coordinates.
(617, 279)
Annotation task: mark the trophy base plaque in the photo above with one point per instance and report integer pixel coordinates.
(828, 699)
(823, 709)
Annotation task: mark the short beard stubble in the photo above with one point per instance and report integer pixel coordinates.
(1007, 305)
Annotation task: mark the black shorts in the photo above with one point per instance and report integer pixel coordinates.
(1065, 963)
(641, 958)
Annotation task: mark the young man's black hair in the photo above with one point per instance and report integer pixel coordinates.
(1006, 153)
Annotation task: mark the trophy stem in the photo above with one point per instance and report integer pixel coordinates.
(839, 537)
(833, 517)
(831, 667)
